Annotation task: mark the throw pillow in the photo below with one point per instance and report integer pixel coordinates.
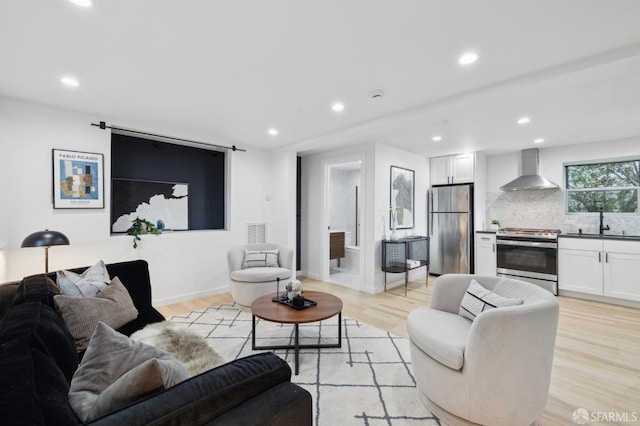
(260, 258)
(88, 284)
(113, 306)
(116, 371)
(478, 299)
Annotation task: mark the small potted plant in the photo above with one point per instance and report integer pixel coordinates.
(495, 225)
(141, 227)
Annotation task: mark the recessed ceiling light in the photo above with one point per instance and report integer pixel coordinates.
(468, 58)
(273, 132)
(337, 107)
(524, 120)
(436, 138)
(539, 140)
(83, 3)
(70, 81)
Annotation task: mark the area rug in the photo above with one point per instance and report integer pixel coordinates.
(368, 381)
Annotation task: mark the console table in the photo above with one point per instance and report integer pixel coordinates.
(403, 255)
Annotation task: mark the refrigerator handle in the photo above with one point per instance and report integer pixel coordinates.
(429, 212)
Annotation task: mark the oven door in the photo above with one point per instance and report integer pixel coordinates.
(533, 259)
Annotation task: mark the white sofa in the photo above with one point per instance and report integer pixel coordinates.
(248, 284)
(492, 371)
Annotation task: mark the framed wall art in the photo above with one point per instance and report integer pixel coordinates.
(402, 194)
(78, 180)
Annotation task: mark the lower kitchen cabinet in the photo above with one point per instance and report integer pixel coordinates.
(485, 254)
(600, 267)
(621, 272)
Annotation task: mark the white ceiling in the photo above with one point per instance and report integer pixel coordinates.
(227, 71)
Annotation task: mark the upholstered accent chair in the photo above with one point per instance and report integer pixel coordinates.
(248, 281)
(493, 371)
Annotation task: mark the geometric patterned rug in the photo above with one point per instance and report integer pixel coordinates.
(368, 381)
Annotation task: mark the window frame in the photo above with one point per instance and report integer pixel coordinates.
(567, 191)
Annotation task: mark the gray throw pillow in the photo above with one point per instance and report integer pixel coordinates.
(116, 371)
(478, 299)
(260, 258)
(113, 306)
(88, 284)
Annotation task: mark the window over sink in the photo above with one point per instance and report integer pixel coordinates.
(611, 185)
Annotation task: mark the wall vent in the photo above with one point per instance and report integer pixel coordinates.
(256, 233)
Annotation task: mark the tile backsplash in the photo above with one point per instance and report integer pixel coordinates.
(545, 209)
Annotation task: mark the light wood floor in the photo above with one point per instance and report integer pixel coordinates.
(597, 359)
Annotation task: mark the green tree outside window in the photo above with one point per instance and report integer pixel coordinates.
(612, 186)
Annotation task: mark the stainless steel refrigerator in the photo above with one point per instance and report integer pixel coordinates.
(450, 228)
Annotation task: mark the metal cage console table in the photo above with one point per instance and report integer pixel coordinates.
(403, 255)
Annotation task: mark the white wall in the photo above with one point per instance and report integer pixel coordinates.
(314, 216)
(283, 199)
(377, 161)
(183, 265)
(385, 157)
(4, 213)
(545, 209)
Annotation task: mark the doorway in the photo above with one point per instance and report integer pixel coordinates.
(344, 213)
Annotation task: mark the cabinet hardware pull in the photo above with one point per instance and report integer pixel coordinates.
(599, 257)
(494, 247)
(606, 258)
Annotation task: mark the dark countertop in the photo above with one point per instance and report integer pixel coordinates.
(488, 231)
(600, 237)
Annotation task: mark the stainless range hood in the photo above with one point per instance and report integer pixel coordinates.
(530, 179)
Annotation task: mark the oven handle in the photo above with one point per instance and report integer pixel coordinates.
(526, 244)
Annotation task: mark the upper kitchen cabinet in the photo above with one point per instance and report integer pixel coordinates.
(459, 168)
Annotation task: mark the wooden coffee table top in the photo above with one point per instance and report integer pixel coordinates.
(327, 306)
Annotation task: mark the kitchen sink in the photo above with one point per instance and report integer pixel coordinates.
(605, 236)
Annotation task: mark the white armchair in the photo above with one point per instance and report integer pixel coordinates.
(492, 371)
(250, 283)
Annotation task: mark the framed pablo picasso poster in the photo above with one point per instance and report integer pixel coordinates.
(78, 180)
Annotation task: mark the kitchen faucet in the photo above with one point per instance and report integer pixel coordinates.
(602, 226)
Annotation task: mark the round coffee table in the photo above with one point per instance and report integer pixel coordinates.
(327, 306)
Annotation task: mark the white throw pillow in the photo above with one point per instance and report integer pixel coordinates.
(88, 284)
(478, 299)
(260, 258)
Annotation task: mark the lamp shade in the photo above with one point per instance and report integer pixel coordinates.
(45, 238)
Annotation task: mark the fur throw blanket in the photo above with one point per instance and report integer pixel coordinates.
(185, 345)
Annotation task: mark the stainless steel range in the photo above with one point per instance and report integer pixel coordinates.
(529, 255)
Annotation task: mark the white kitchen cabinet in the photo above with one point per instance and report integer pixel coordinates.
(440, 171)
(622, 269)
(459, 168)
(485, 254)
(599, 266)
(580, 265)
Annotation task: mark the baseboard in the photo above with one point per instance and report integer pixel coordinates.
(189, 296)
(601, 299)
(310, 275)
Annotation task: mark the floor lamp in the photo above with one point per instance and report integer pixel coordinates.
(46, 239)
